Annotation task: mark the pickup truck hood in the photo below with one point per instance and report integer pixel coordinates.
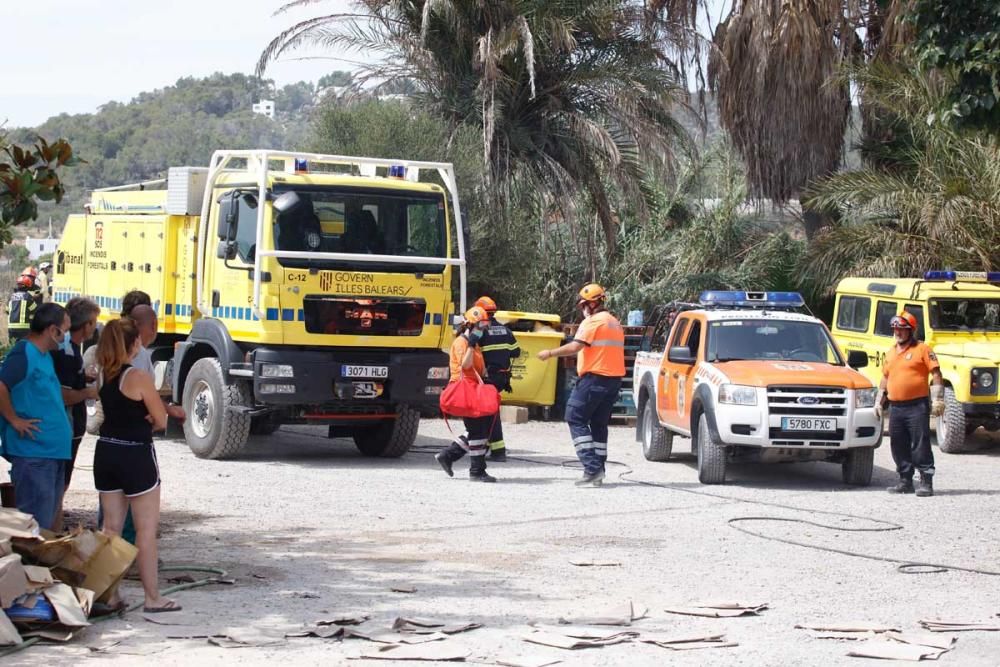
(767, 373)
(973, 350)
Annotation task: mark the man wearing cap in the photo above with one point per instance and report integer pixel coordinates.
(904, 384)
(499, 347)
(600, 365)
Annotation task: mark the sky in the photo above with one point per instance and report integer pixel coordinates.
(71, 56)
(75, 55)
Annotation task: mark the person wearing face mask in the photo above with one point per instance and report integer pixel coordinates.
(467, 362)
(35, 431)
(904, 385)
(599, 347)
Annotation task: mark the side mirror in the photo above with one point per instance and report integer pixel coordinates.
(286, 202)
(680, 355)
(226, 250)
(229, 216)
(857, 359)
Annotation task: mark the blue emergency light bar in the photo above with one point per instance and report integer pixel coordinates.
(981, 276)
(397, 171)
(737, 299)
(301, 166)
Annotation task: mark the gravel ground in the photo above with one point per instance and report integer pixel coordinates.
(309, 529)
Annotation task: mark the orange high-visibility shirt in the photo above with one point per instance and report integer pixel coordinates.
(458, 349)
(603, 352)
(907, 372)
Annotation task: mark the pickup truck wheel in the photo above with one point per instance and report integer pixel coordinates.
(857, 467)
(949, 428)
(391, 438)
(213, 430)
(711, 455)
(656, 440)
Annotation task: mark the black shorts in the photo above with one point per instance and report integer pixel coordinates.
(125, 468)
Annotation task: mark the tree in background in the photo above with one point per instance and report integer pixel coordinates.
(336, 79)
(29, 175)
(570, 98)
(965, 37)
(929, 196)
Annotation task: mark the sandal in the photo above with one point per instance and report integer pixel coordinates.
(170, 606)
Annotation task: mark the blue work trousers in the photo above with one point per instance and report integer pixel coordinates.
(910, 438)
(588, 412)
(38, 486)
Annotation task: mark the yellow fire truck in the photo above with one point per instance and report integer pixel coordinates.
(290, 288)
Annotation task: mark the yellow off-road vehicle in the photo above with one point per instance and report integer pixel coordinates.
(959, 317)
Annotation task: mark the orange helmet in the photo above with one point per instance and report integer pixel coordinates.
(475, 315)
(30, 271)
(591, 292)
(487, 304)
(25, 281)
(904, 320)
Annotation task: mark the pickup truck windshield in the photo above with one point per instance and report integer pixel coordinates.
(360, 221)
(965, 314)
(770, 340)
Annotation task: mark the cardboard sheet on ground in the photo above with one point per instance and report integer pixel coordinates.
(892, 650)
(18, 524)
(425, 626)
(951, 625)
(678, 642)
(719, 609)
(320, 631)
(443, 651)
(38, 577)
(582, 632)
(403, 589)
(571, 643)
(524, 661)
(13, 580)
(924, 639)
(391, 637)
(344, 619)
(5, 547)
(622, 614)
(9, 636)
(68, 607)
(595, 563)
(848, 627)
(832, 634)
(244, 639)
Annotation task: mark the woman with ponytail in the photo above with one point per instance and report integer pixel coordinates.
(126, 473)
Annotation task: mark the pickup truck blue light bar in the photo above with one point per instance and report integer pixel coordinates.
(739, 299)
(979, 276)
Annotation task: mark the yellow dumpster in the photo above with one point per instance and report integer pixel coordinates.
(533, 382)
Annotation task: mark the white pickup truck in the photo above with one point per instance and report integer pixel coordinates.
(749, 378)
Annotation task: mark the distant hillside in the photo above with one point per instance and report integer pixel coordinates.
(177, 125)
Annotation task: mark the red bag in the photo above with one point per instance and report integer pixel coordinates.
(469, 398)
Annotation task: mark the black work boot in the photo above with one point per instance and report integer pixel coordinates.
(498, 455)
(904, 485)
(477, 470)
(449, 455)
(591, 479)
(925, 487)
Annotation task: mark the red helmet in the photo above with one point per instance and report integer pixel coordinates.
(25, 281)
(487, 304)
(904, 320)
(30, 271)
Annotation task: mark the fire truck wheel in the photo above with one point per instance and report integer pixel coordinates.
(949, 428)
(858, 465)
(391, 438)
(212, 429)
(657, 441)
(711, 455)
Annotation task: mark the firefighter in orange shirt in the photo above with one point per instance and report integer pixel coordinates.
(600, 365)
(904, 383)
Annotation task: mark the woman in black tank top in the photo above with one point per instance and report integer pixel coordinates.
(126, 473)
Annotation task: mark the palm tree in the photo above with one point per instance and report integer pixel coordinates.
(930, 197)
(571, 97)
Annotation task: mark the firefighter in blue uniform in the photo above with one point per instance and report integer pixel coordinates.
(499, 347)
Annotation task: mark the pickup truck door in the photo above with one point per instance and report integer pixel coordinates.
(668, 378)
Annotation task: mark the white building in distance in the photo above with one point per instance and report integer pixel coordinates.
(264, 108)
